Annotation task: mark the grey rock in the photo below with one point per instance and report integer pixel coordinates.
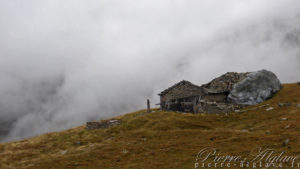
(265, 105)
(286, 142)
(255, 88)
(284, 104)
(124, 151)
(244, 130)
(241, 111)
(298, 105)
(270, 108)
(284, 119)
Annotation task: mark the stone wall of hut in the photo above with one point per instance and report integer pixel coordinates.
(219, 98)
(181, 97)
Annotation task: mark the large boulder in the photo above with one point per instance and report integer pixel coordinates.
(255, 88)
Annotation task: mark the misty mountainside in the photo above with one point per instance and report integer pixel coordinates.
(53, 93)
(163, 139)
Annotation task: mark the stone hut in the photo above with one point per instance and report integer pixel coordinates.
(210, 98)
(213, 101)
(180, 97)
(226, 93)
(215, 96)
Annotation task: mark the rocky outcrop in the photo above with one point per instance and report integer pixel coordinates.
(255, 88)
(102, 124)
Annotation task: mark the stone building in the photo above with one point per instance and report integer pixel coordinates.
(225, 82)
(210, 98)
(180, 97)
(226, 93)
(215, 99)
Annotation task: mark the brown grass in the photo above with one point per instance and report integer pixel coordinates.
(162, 139)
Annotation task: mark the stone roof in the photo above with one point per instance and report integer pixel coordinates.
(220, 85)
(225, 82)
(176, 85)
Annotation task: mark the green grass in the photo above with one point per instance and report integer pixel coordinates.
(161, 139)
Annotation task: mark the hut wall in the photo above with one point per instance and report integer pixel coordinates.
(215, 98)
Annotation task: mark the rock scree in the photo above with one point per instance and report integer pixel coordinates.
(102, 124)
(255, 88)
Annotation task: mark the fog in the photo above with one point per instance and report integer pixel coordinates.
(63, 63)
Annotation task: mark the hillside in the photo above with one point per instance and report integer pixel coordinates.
(163, 139)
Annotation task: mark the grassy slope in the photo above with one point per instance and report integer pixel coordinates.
(161, 139)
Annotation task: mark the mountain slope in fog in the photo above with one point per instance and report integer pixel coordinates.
(163, 139)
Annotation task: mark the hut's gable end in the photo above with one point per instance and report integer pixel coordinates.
(181, 91)
(180, 97)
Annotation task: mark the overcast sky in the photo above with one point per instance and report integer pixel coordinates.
(63, 63)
